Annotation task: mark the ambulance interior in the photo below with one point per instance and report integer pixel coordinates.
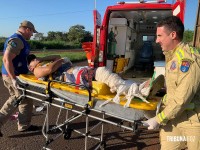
(132, 36)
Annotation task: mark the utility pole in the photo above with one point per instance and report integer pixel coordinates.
(95, 4)
(196, 39)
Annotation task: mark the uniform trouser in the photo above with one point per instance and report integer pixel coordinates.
(176, 136)
(25, 107)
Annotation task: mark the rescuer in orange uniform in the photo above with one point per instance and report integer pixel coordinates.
(179, 115)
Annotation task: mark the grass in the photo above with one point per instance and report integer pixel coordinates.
(73, 56)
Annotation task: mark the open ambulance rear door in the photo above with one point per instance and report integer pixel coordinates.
(133, 20)
(179, 9)
(96, 54)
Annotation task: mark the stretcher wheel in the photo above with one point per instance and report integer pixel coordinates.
(135, 127)
(67, 134)
(87, 110)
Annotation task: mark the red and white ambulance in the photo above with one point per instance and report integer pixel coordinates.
(126, 35)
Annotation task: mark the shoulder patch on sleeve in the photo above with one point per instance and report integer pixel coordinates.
(15, 45)
(173, 65)
(185, 64)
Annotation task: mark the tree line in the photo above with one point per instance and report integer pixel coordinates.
(58, 40)
(71, 39)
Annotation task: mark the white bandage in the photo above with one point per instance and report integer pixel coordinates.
(133, 90)
(111, 79)
(144, 90)
(117, 84)
(121, 90)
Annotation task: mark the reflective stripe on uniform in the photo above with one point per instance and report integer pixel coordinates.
(162, 117)
(164, 99)
(180, 55)
(194, 50)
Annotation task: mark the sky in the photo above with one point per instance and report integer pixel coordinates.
(60, 15)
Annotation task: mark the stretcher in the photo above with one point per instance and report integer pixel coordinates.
(81, 101)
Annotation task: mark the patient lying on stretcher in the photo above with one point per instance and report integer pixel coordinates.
(62, 69)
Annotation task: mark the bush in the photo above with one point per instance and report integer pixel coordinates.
(53, 45)
(36, 44)
(1, 45)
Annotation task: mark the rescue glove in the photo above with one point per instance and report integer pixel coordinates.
(15, 84)
(151, 123)
(66, 60)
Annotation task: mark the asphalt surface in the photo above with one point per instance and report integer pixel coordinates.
(114, 137)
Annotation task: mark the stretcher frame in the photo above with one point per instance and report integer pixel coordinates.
(48, 97)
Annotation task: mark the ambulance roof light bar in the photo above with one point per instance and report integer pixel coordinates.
(144, 1)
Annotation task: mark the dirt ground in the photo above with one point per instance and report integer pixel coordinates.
(114, 137)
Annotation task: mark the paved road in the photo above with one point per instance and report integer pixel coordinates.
(115, 137)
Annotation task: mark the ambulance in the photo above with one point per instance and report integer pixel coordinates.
(125, 37)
